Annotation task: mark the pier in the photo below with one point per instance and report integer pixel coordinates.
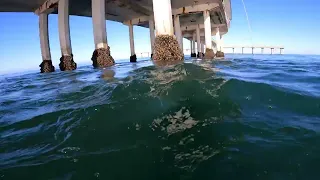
(262, 48)
(169, 21)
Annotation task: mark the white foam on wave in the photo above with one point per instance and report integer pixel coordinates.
(187, 154)
(179, 122)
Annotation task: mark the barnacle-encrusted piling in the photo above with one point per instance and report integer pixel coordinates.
(67, 63)
(166, 48)
(219, 54)
(46, 66)
(209, 54)
(102, 58)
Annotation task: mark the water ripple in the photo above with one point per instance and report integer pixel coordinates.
(237, 117)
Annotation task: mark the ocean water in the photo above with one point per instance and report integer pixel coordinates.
(243, 117)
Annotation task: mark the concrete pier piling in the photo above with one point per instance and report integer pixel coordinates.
(133, 57)
(101, 56)
(209, 54)
(202, 51)
(193, 49)
(207, 31)
(198, 41)
(166, 46)
(177, 30)
(167, 49)
(46, 65)
(66, 61)
(219, 53)
(152, 34)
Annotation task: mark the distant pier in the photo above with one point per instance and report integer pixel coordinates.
(262, 48)
(169, 22)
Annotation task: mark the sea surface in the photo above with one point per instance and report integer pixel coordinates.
(242, 117)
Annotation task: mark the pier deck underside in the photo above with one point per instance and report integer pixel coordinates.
(125, 10)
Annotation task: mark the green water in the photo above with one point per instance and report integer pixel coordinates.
(238, 118)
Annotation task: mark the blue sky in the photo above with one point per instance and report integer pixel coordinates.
(293, 24)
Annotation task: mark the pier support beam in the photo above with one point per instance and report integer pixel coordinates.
(66, 61)
(202, 50)
(219, 53)
(46, 65)
(241, 48)
(218, 39)
(193, 50)
(262, 50)
(166, 46)
(207, 32)
(198, 41)
(191, 43)
(221, 43)
(101, 56)
(177, 30)
(252, 50)
(133, 57)
(152, 35)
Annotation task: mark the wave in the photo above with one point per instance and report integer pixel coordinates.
(184, 118)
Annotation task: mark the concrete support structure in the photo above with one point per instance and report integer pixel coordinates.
(163, 17)
(64, 27)
(218, 37)
(152, 35)
(133, 57)
(46, 65)
(241, 48)
(221, 44)
(218, 41)
(131, 36)
(99, 24)
(281, 49)
(177, 30)
(202, 50)
(262, 49)
(166, 46)
(207, 29)
(198, 41)
(271, 51)
(194, 37)
(187, 15)
(66, 61)
(101, 56)
(252, 50)
(193, 49)
(207, 32)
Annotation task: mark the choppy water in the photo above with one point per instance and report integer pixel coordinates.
(238, 118)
